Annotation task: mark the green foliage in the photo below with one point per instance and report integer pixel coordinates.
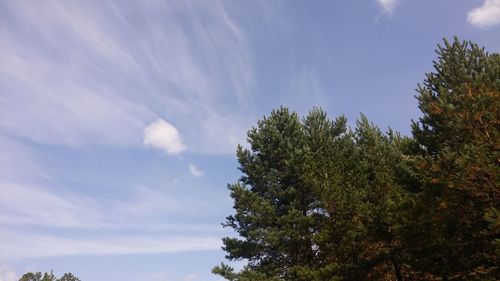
(47, 277)
(458, 164)
(31, 276)
(318, 200)
(69, 277)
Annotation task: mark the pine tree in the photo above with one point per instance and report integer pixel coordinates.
(458, 144)
(316, 201)
(270, 199)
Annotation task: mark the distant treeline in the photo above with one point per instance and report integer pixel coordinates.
(320, 201)
(38, 276)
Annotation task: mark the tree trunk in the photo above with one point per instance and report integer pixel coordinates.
(397, 271)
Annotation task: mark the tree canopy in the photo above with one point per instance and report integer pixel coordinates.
(319, 200)
(37, 276)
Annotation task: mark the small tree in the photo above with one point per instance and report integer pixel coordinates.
(31, 276)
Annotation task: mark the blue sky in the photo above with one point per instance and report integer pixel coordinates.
(119, 119)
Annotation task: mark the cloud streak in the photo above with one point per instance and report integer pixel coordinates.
(16, 245)
(26, 212)
(20, 205)
(19, 162)
(30, 205)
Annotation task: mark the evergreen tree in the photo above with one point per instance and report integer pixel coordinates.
(270, 199)
(458, 143)
(31, 276)
(316, 201)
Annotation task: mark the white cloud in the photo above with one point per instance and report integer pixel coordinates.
(387, 6)
(7, 274)
(485, 16)
(162, 135)
(195, 171)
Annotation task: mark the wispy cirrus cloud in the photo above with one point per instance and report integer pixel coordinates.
(27, 205)
(16, 245)
(32, 203)
(97, 76)
(19, 162)
(50, 94)
(25, 211)
(38, 205)
(485, 16)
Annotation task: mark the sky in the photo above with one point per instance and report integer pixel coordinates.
(119, 120)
